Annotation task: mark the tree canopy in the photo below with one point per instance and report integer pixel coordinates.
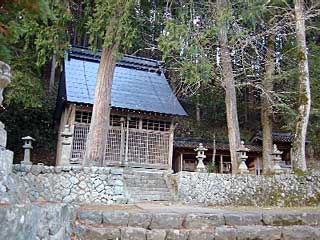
(183, 34)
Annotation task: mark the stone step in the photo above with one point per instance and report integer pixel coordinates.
(145, 182)
(149, 199)
(143, 179)
(146, 192)
(146, 185)
(144, 174)
(218, 224)
(136, 173)
(220, 233)
(204, 220)
(136, 187)
(150, 189)
(151, 182)
(152, 197)
(144, 170)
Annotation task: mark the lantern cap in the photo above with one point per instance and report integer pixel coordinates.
(276, 151)
(243, 148)
(28, 138)
(200, 148)
(66, 132)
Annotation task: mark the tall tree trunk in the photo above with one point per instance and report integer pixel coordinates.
(198, 111)
(299, 158)
(52, 72)
(97, 136)
(230, 97)
(266, 110)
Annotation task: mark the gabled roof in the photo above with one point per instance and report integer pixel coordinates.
(277, 137)
(138, 84)
(192, 143)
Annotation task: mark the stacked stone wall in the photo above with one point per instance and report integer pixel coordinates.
(248, 190)
(37, 221)
(71, 184)
(108, 185)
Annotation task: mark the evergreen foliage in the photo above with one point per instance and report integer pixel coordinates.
(181, 33)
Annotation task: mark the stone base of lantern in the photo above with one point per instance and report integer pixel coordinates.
(243, 169)
(3, 135)
(201, 167)
(6, 156)
(26, 162)
(277, 169)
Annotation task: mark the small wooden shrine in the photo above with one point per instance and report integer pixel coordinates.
(143, 108)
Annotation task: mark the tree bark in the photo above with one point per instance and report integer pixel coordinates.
(198, 112)
(266, 110)
(302, 119)
(230, 97)
(52, 72)
(97, 136)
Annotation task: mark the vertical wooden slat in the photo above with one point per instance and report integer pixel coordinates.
(127, 145)
(122, 143)
(171, 136)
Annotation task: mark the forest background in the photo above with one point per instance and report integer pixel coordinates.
(186, 36)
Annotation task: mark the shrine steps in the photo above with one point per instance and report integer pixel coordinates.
(144, 185)
(175, 222)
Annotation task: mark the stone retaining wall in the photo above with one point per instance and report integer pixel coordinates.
(71, 184)
(107, 185)
(248, 190)
(37, 221)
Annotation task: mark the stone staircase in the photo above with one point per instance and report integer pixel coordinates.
(147, 221)
(144, 185)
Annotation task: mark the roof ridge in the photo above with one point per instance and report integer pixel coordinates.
(142, 58)
(79, 49)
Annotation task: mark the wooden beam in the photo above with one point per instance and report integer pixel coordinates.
(170, 153)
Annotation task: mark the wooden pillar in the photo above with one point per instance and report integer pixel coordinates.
(181, 162)
(291, 154)
(140, 123)
(127, 143)
(171, 136)
(61, 129)
(221, 163)
(71, 122)
(122, 141)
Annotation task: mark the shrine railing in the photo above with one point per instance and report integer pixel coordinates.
(135, 147)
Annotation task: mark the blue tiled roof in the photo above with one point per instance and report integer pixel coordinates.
(138, 84)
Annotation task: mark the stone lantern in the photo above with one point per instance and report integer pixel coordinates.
(27, 150)
(201, 156)
(276, 155)
(5, 78)
(243, 169)
(66, 146)
(6, 156)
